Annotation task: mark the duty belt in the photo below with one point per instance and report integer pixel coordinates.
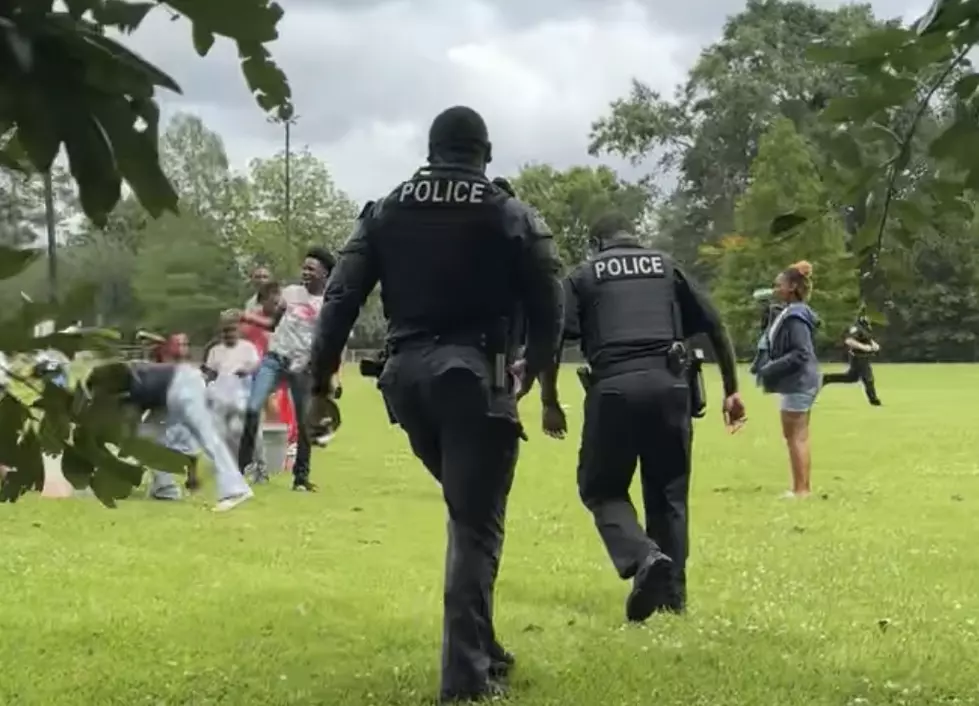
(476, 340)
(657, 361)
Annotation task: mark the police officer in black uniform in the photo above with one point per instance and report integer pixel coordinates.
(455, 256)
(860, 347)
(632, 308)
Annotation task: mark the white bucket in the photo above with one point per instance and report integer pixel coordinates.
(55, 483)
(275, 438)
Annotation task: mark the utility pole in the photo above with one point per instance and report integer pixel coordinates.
(287, 121)
(49, 221)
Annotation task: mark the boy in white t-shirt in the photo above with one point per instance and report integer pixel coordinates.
(288, 358)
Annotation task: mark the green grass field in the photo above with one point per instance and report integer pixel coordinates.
(868, 593)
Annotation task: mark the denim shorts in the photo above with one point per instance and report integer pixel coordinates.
(799, 401)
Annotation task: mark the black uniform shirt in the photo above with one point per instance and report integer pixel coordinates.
(693, 308)
(451, 250)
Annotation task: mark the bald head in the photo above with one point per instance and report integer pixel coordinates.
(459, 134)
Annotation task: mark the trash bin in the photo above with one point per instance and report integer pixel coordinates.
(275, 437)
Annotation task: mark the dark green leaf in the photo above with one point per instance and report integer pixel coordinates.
(909, 214)
(849, 109)
(126, 16)
(251, 20)
(266, 80)
(960, 140)
(865, 239)
(137, 156)
(12, 417)
(76, 468)
(89, 43)
(56, 404)
(966, 86)
(29, 465)
(846, 151)
(878, 44)
(825, 53)
(875, 316)
(37, 132)
(92, 164)
(13, 261)
(21, 48)
(154, 456)
(787, 222)
(203, 39)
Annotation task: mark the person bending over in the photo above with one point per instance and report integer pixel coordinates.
(177, 390)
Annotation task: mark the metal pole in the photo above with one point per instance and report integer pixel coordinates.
(288, 178)
(52, 237)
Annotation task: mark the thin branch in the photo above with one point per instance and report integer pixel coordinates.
(906, 147)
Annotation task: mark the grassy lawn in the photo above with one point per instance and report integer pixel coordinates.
(868, 593)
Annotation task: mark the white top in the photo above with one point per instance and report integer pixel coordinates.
(293, 337)
(225, 359)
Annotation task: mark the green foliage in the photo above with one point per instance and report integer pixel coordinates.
(783, 179)
(895, 76)
(185, 277)
(66, 83)
(84, 423)
(710, 130)
(571, 200)
(320, 213)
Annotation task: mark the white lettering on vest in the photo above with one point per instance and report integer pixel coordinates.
(440, 191)
(629, 267)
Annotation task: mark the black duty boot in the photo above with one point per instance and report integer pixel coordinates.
(651, 588)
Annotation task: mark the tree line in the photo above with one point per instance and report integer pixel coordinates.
(746, 135)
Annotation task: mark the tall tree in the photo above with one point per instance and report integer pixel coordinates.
(784, 178)
(186, 276)
(195, 159)
(318, 211)
(571, 200)
(22, 211)
(708, 133)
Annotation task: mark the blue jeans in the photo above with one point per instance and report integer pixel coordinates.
(272, 371)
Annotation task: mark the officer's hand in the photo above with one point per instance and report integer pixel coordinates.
(734, 413)
(319, 422)
(518, 369)
(875, 346)
(553, 421)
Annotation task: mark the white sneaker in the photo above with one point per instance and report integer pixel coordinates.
(231, 503)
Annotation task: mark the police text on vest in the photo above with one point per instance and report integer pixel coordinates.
(442, 191)
(629, 267)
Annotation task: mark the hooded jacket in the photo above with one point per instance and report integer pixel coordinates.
(786, 358)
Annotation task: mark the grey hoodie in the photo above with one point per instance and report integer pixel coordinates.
(786, 360)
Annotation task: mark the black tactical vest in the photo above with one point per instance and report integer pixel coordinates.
(446, 256)
(627, 304)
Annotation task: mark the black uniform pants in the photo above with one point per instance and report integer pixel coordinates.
(642, 416)
(858, 370)
(467, 436)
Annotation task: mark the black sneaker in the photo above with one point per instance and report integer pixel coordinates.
(876, 403)
(501, 663)
(651, 589)
(494, 691)
(303, 486)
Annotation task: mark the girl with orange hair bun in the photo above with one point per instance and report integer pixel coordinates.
(786, 364)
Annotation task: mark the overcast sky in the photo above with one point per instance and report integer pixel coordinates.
(368, 77)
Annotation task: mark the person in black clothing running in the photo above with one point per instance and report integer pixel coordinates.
(860, 346)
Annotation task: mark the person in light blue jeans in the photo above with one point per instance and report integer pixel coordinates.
(786, 364)
(177, 390)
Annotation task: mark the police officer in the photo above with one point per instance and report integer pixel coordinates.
(455, 256)
(632, 308)
(860, 346)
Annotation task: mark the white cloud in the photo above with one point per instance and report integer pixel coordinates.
(368, 78)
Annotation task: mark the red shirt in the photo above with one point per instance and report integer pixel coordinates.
(256, 335)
